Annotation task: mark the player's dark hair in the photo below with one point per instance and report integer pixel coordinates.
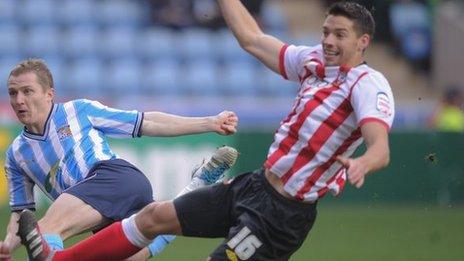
(38, 67)
(363, 21)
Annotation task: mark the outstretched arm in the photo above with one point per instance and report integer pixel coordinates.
(376, 157)
(164, 124)
(11, 241)
(250, 37)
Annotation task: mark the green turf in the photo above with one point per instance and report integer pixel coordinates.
(356, 232)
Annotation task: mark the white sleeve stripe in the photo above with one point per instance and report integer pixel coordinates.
(126, 128)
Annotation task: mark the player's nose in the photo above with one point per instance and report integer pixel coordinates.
(328, 41)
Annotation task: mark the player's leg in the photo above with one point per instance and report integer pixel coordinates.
(206, 174)
(202, 213)
(66, 217)
(153, 249)
(115, 242)
(124, 239)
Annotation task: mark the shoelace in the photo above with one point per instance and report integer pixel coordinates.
(211, 177)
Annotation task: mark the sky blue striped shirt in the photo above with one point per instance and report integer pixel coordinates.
(74, 140)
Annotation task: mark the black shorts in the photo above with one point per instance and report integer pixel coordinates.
(256, 221)
(115, 188)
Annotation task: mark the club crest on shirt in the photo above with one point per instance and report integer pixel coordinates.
(319, 83)
(383, 104)
(64, 132)
(341, 78)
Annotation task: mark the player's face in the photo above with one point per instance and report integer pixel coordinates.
(341, 43)
(29, 100)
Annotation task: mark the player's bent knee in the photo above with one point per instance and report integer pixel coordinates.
(157, 218)
(145, 219)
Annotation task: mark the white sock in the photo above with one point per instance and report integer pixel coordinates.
(194, 184)
(133, 234)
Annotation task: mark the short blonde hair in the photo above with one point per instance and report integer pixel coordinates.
(38, 67)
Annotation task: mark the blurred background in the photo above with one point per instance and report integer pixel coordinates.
(177, 56)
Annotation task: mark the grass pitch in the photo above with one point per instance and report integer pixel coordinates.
(351, 232)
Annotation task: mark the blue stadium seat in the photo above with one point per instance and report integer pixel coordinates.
(162, 77)
(84, 77)
(201, 78)
(77, 12)
(57, 66)
(195, 44)
(37, 12)
(123, 76)
(226, 48)
(120, 12)
(239, 79)
(157, 43)
(273, 16)
(274, 85)
(118, 42)
(42, 41)
(7, 63)
(7, 11)
(309, 40)
(11, 40)
(80, 41)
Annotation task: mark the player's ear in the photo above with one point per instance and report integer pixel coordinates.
(51, 93)
(363, 42)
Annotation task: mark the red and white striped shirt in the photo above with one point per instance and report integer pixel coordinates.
(332, 104)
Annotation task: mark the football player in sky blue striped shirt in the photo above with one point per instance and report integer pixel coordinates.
(64, 151)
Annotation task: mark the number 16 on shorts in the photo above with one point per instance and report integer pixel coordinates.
(244, 245)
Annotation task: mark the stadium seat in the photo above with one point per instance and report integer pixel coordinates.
(120, 12)
(157, 43)
(273, 16)
(282, 35)
(7, 12)
(310, 40)
(226, 48)
(123, 76)
(200, 77)
(80, 41)
(162, 77)
(404, 16)
(42, 40)
(7, 63)
(80, 12)
(37, 12)
(195, 44)
(84, 78)
(11, 40)
(272, 84)
(57, 66)
(238, 79)
(118, 42)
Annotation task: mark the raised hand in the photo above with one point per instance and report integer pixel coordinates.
(226, 123)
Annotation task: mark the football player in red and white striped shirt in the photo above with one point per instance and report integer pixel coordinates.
(267, 214)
